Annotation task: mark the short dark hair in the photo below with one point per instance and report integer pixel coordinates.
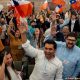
(72, 34)
(73, 13)
(51, 41)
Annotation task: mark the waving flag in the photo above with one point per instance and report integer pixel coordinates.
(45, 5)
(17, 15)
(59, 9)
(58, 2)
(75, 4)
(24, 8)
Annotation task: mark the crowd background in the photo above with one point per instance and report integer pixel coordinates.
(39, 29)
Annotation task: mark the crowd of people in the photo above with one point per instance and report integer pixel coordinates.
(51, 42)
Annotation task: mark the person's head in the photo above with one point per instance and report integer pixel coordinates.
(52, 16)
(65, 31)
(37, 31)
(8, 62)
(57, 15)
(17, 34)
(61, 20)
(6, 52)
(71, 40)
(41, 18)
(2, 21)
(50, 48)
(73, 15)
(33, 23)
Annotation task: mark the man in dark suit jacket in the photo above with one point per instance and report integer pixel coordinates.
(74, 23)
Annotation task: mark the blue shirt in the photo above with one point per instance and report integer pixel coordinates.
(58, 37)
(70, 59)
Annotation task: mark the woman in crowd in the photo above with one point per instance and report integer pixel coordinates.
(7, 70)
(37, 38)
(15, 42)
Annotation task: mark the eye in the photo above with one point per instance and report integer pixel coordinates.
(46, 48)
(7, 58)
(50, 49)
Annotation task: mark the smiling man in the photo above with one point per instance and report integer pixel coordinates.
(47, 65)
(69, 54)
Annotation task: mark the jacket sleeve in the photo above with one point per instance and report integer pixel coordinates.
(29, 50)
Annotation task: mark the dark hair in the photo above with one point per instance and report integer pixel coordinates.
(32, 21)
(73, 13)
(40, 39)
(72, 34)
(7, 50)
(51, 41)
(2, 53)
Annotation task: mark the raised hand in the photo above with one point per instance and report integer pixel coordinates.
(23, 27)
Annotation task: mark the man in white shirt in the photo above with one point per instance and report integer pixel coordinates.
(47, 65)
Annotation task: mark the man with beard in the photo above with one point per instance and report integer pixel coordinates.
(69, 54)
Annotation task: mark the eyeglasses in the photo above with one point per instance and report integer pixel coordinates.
(71, 40)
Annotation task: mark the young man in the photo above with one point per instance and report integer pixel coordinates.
(47, 65)
(69, 54)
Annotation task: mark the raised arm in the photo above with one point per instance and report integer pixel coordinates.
(9, 32)
(30, 51)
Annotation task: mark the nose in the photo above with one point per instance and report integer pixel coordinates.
(47, 50)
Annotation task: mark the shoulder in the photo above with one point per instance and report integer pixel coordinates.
(40, 52)
(60, 43)
(77, 49)
(57, 62)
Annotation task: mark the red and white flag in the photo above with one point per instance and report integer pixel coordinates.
(44, 5)
(59, 9)
(24, 8)
(60, 5)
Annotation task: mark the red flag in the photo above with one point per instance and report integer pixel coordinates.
(59, 9)
(24, 8)
(58, 2)
(45, 5)
(75, 4)
(16, 14)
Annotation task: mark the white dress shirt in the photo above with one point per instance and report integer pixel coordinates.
(44, 69)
